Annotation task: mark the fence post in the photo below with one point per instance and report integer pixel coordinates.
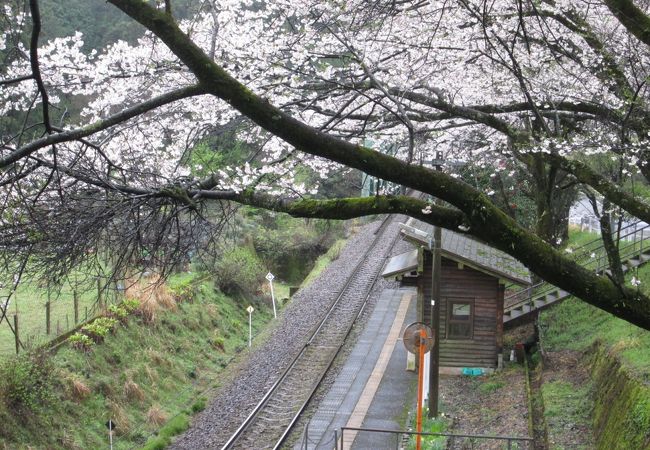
(86, 314)
(99, 292)
(16, 333)
(47, 317)
(75, 300)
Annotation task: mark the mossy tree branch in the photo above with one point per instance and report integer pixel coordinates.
(485, 220)
(631, 17)
(586, 175)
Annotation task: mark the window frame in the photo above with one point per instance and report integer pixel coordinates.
(449, 321)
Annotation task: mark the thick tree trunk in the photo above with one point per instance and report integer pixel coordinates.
(610, 246)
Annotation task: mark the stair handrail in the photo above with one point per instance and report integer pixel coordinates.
(532, 292)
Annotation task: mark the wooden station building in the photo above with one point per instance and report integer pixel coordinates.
(473, 280)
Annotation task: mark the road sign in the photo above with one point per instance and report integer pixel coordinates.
(270, 277)
(250, 310)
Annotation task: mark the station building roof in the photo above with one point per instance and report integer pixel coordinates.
(456, 247)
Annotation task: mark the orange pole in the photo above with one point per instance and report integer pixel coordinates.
(418, 421)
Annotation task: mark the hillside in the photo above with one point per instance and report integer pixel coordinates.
(154, 367)
(596, 376)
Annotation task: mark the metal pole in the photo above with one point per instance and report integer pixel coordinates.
(110, 435)
(336, 439)
(250, 328)
(275, 315)
(418, 421)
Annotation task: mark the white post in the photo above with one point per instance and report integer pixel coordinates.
(250, 310)
(110, 425)
(270, 277)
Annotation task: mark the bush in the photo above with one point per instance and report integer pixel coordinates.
(118, 312)
(130, 304)
(26, 382)
(239, 271)
(81, 342)
(99, 328)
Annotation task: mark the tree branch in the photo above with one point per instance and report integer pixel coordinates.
(100, 125)
(631, 17)
(487, 222)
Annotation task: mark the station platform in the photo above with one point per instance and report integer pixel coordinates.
(373, 389)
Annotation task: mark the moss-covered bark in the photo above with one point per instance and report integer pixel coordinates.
(632, 18)
(484, 219)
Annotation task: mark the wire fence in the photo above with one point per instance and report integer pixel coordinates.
(37, 314)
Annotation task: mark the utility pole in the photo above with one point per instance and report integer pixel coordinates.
(434, 355)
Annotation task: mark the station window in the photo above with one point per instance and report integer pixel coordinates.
(460, 319)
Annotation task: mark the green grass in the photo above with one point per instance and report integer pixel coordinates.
(566, 403)
(429, 425)
(576, 325)
(565, 407)
(173, 363)
(29, 303)
(172, 428)
(488, 387)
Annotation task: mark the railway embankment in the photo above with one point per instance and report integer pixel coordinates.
(595, 383)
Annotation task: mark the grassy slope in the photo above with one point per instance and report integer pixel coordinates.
(578, 326)
(158, 369)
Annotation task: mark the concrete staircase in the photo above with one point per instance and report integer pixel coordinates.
(634, 248)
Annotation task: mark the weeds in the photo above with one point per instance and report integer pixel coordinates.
(156, 416)
(27, 382)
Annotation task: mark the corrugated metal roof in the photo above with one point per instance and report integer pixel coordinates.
(404, 262)
(464, 249)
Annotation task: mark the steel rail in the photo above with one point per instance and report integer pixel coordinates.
(289, 428)
(282, 378)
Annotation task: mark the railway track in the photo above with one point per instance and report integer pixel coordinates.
(269, 423)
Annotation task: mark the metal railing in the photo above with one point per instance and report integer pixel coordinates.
(520, 442)
(592, 256)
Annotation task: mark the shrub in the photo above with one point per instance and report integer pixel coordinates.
(81, 342)
(118, 312)
(26, 382)
(130, 304)
(218, 342)
(199, 405)
(99, 328)
(239, 271)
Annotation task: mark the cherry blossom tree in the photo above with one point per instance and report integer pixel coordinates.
(98, 143)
